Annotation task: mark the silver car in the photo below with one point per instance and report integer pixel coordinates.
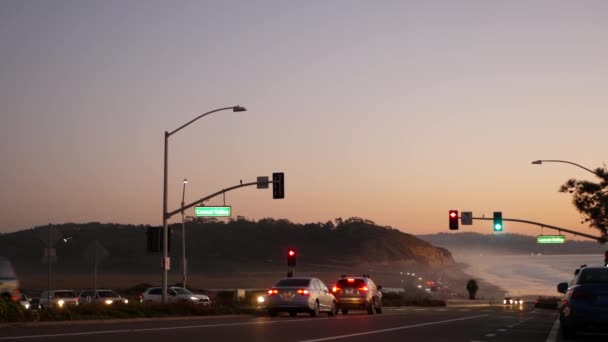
(58, 299)
(174, 294)
(104, 296)
(295, 295)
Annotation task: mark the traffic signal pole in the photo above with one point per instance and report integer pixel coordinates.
(543, 225)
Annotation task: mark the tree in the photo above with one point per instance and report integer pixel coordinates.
(472, 287)
(591, 200)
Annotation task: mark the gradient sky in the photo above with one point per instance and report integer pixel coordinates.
(395, 111)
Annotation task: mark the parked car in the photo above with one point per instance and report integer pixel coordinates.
(174, 294)
(302, 294)
(105, 296)
(58, 299)
(26, 302)
(9, 284)
(585, 301)
(358, 293)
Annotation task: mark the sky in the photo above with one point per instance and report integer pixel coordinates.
(394, 111)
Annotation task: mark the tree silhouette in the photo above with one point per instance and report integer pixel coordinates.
(591, 200)
(472, 287)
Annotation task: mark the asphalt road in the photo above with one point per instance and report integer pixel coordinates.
(484, 323)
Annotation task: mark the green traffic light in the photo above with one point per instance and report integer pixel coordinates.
(497, 227)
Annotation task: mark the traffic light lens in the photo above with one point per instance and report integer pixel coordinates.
(291, 253)
(497, 227)
(453, 214)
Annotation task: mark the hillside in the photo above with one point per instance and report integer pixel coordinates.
(508, 244)
(215, 247)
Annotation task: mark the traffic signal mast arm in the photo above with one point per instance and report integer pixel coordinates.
(188, 206)
(544, 226)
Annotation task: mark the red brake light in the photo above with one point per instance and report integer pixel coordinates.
(303, 292)
(272, 292)
(15, 295)
(351, 280)
(335, 289)
(364, 289)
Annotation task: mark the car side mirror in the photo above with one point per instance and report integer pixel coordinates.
(562, 287)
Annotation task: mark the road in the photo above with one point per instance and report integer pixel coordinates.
(483, 323)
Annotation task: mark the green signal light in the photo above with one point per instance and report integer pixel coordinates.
(497, 227)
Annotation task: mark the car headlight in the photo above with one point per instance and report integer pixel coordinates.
(60, 302)
(504, 301)
(261, 299)
(126, 301)
(521, 301)
(27, 306)
(108, 301)
(193, 298)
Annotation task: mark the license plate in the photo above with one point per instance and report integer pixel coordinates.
(349, 291)
(287, 296)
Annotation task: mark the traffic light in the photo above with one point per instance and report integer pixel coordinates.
(291, 257)
(278, 185)
(453, 219)
(498, 221)
(606, 258)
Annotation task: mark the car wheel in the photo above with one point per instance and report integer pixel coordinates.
(333, 311)
(315, 310)
(272, 313)
(293, 313)
(379, 306)
(370, 308)
(345, 311)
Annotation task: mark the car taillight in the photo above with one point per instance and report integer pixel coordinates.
(272, 292)
(364, 289)
(15, 295)
(582, 294)
(335, 289)
(303, 292)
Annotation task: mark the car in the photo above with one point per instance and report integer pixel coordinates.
(26, 302)
(104, 296)
(358, 293)
(174, 294)
(58, 299)
(585, 301)
(510, 300)
(302, 294)
(9, 284)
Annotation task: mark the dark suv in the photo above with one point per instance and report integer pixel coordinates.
(358, 293)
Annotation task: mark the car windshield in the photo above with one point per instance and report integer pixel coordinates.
(107, 294)
(182, 291)
(350, 282)
(65, 294)
(594, 275)
(293, 282)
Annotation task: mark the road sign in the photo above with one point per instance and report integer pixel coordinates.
(263, 182)
(551, 239)
(213, 211)
(466, 218)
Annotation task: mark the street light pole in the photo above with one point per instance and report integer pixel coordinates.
(538, 162)
(166, 216)
(184, 236)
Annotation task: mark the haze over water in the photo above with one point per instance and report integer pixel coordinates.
(522, 275)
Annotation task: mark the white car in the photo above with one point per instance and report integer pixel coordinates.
(174, 294)
(104, 296)
(58, 299)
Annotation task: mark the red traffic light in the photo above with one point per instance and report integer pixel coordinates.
(291, 252)
(291, 257)
(453, 216)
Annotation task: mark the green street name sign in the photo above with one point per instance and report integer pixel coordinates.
(212, 211)
(551, 239)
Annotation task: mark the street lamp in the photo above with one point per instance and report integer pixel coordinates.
(538, 162)
(166, 216)
(184, 236)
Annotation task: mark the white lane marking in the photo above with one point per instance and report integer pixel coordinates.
(419, 309)
(391, 329)
(490, 335)
(122, 331)
(553, 333)
(502, 330)
(510, 326)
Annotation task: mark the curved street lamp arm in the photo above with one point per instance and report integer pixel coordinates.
(198, 117)
(565, 161)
